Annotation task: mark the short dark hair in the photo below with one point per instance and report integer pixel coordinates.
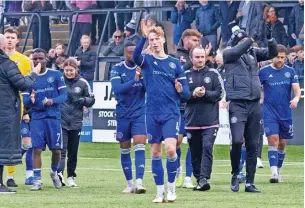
(192, 50)
(129, 44)
(40, 50)
(298, 48)
(291, 50)
(281, 49)
(11, 30)
(190, 32)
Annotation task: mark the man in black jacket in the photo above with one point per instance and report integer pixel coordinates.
(202, 115)
(11, 82)
(243, 92)
(86, 59)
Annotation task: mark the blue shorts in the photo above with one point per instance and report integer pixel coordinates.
(160, 127)
(25, 129)
(182, 124)
(282, 128)
(127, 128)
(46, 132)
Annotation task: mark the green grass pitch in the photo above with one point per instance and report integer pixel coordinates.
(101, 181)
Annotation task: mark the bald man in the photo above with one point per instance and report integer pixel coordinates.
(11, 82)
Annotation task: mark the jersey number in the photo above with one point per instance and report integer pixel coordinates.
(58, 137)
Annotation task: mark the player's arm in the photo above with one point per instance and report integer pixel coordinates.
(62, 89)
(234, 53)
(296, 90)
(264, 54)
(139, 58)
(116, 82)
(218, 92)
(262, 79)
(89, 99)
(185, 93)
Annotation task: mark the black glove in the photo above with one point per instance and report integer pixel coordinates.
(268, 31)
(80, 102)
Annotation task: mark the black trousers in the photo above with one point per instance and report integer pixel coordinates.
(45, 34)
(70, 145)
(260, 141)
(201, 144)
(245, 117)
(80, 30)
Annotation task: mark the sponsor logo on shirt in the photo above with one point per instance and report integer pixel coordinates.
(162, 73)
(44, 90)
(279, 83)
(191, 80)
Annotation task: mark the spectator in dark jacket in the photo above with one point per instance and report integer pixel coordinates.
(296, 21)
(207, 21)
(11, 82)
(131, 36)
(301, 34)
(79, 95)
(277, 28)
(84, 21)
(228, 10)
(182, 17)
(86, 59)
(298, 64)
(248, 16)
(116, 45)
(202, 115)
(45, 35)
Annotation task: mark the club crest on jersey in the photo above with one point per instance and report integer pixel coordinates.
(77, 89)
(62, 78)
(172, 65)
(119, 135)
(296, 77)
(207, 80)
(233, 119)
(50, 79)
(287, 75)
(24, 131)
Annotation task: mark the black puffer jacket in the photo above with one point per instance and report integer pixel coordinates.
(11, 82)
(183, 54)
(87, 62)
(203, 111)
(242, 81)
(71, 110)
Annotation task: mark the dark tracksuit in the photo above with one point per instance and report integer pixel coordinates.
(72, 121)
(202, 119)
(243, 91)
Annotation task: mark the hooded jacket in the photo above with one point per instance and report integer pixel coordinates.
(11, 82)
(71, 109)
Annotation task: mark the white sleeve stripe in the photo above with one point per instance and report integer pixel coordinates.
(62, 87)
(87, 83)
(180, 78)
(25, 93)
(221, 82)
(115, 78)
(142, 61)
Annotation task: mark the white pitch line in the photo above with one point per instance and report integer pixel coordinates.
(148, 171)
(104, 158)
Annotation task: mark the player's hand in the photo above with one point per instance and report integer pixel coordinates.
(294, 103)
(36, 69)
(80, 101)
(200, 91)
(239, 14)
(32, 96)
(293, 35)
(26, 118)
(144, 28)
(178, 86)
(48, 102)
(138, 74)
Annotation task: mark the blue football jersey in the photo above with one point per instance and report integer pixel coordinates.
(129, 94)
(49, 85)
(159, 78)
(277, 91)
